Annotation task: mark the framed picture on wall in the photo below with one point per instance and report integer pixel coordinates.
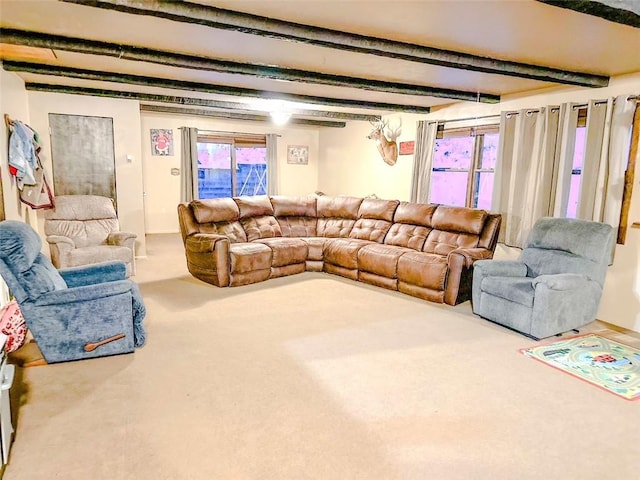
(298, 154)
(161, 141)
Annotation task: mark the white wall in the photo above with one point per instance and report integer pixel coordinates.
(127, 141)
(351, 165)
(13, 102)
(162, 190)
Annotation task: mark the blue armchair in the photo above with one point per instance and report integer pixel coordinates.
(555, 285)
(75, 313)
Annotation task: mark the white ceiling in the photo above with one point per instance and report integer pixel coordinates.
(523, 31)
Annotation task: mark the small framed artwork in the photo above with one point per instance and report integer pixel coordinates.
(161, 141)
(298, 154)
(407, 148)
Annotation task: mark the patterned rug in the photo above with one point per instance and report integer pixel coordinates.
(604, 363)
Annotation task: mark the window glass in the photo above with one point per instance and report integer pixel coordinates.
(576, 173)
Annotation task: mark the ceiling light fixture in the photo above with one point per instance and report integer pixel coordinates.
(280, 117)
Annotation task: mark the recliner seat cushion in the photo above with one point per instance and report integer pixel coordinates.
(286, 251)
(247, 257)
(515, 289)
(380, 259)
(423, 270)
(343, 252)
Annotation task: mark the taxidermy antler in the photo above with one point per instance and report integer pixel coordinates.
(387, 147)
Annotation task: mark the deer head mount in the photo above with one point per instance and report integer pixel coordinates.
(386, 146)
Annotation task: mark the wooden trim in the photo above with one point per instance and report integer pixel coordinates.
(629, 178)
(43, 69)
(129, 52)
(246, 23)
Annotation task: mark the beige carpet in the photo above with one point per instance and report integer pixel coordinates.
(313, 377)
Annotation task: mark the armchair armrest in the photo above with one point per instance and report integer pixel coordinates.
(561, 281)
(94, 274)
(61, 241)
(470, 255)
(501, 268)
(85, 293)
(203, 242)
(121, 238)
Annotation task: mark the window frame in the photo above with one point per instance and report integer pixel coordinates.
(475, 167)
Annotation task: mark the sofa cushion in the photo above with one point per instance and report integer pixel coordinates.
(286, 251)
(414, 213)
(441, 243)
(247, 257)
(298, 226)
(406, 235)
(380, 259)
(459, 219)
(338, 207)
(423, 269)
(265, 226)
(370, 229)
(343, 252)
(316, 247)
(215, 210)
(335, 227)
(256, 206)
(377, 209)
(231, 230)
(293, 206)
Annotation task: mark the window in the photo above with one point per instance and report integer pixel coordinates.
(576, 168)
(464, 160)
(231, 166)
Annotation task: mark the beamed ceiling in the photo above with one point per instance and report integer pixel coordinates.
(324, 61)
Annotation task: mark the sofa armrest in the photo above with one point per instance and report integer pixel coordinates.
(471, 255)
(561, 281)
(501, 268)
(95, 273)
(459, 275)
(203, 242)
(123, 239)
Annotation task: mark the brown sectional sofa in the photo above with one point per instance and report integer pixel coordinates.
(426, 251)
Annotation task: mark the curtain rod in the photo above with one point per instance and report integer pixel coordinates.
(223, 132)
(534, 110)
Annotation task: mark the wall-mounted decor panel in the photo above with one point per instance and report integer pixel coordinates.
(82, 153)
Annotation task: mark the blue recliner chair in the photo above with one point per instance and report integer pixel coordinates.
(556, 284)
(74, 313)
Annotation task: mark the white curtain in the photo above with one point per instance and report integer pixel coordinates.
(423, 161)
(272, 164)
(189, 164)
(608, 139)
(535, 162)
(525, 170)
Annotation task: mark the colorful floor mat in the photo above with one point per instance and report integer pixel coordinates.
(604, 363)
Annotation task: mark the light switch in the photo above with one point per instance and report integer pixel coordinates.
(129, 158)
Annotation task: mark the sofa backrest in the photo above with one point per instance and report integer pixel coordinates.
(374, 219)
(566, 245)
(411, 225)
(337, 215)
(220, 216)
(296, 215)
(256, 217)
(454, 227)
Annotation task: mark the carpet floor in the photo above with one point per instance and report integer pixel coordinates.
(313, 377)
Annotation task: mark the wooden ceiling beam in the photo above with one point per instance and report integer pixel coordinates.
(234, 115)
(129, 52)
(223, 19)
(607, 9)
(43, 69)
